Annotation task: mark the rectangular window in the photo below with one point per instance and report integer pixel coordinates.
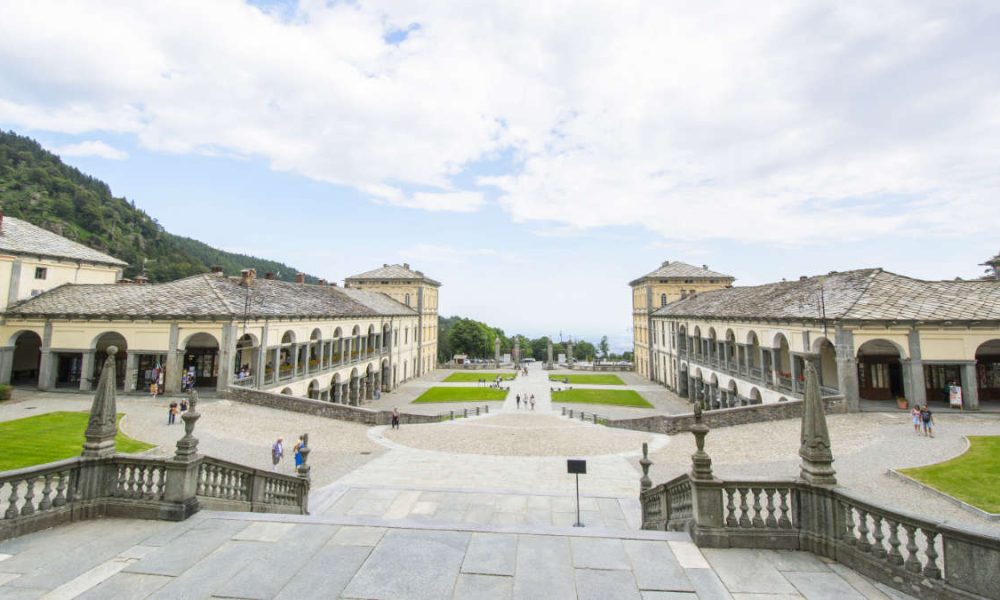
(41, 272)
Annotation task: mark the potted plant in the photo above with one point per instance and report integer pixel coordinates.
(902, 402)
(5, 391)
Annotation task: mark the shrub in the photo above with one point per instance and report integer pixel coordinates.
(5, 392)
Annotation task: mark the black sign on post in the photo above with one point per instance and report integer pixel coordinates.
(575, 466)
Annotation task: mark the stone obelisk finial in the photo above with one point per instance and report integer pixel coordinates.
(817, 457)
(645, 482)
(701, 462)
(304, 468)
(103, 425)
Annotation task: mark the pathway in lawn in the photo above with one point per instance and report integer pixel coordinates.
(535, 382)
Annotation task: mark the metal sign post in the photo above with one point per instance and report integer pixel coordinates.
(577, 467)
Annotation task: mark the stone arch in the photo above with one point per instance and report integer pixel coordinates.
(100, 345)
(782, 399)
(336, 389)
(287, 392)
(755, 397)
(313, 390)
(880, 370)
(26, 360)
(201, 359)
(753, 350)
(288, 337)
(247, 352)
(829, 376)
(782, 353)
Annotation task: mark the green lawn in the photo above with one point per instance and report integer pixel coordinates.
(610, 397)
(589, 379)
(50, 437)
(476, 376)
(461, 394)
(973, 477)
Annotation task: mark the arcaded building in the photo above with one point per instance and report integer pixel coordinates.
(322, 341)
(671, 282)
(874, 335)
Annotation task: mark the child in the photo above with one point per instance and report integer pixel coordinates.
(928, 419)
(916, 417)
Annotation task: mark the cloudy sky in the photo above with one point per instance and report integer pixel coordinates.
(533, 156)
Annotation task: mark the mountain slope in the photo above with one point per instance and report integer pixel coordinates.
(35, 185)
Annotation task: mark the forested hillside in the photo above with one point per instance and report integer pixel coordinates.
(36, 186)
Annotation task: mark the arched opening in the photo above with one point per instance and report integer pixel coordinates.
(354, 388)
(712, 347)
(988, 370)
(880, 372)
(245, 360)
(386, 338)
(338, 347)
(315, 350)
(734, 394)
(370, 341)
(729, 352)
(829, 379)
(753, 354)
(663, 299)
(286, 356)
(27, 359)
(682, 340)
(782, 399)
(755, 396)
(355, 343)
(286, 391)
(313, 391)
(782, 362)
(201, 360)
(713, 396)
(385, 376)
(697, 345)
(101, 345)
(336, 389)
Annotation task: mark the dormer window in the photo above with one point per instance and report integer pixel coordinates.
(41, 272)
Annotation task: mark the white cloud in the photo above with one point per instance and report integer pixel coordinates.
(786, 120)
(91, 148)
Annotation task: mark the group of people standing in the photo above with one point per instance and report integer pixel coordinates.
(176, 409)
(527, 399)
(278, 452)
(923, 418)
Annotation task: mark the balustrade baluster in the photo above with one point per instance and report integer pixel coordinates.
(61, 488)
(757, 509)
(894, 556)
(912, 562)
(121, 480)
(783, 521)
(770, 521)
(744, 509)
(12, 511)
(879, 548)
(863, 543)
(46, 502)
(200, 487)
(131, 489)
(848, 533)
(28, 508)
(931, 569)
(730, 509)
(161, 484)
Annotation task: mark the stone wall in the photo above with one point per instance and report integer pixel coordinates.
(726, 417)
(329, 410)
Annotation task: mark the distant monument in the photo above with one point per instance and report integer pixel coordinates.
(496, 351)
(517, 351)
(569, 354)
(548, 348)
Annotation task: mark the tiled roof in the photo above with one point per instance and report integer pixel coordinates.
(209, 296)
(21, 237)
(680, 270)
(393, 272)
(865, 294)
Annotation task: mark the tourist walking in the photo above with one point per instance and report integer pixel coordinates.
(915, 416)
(184, 405)
(172, 413)
(532, 402)
(519, 401)
(298, 451)
(277, 452)
(928, 419)
(154, 389)
(395, 418)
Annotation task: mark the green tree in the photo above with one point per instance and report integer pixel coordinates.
(603, 346)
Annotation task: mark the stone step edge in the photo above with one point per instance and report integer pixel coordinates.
(358, 521)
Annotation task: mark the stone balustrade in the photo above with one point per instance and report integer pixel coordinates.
(225, 485)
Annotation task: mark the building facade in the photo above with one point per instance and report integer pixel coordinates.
(415, 290)
(671, 282)
(872, 334)
(321, 341)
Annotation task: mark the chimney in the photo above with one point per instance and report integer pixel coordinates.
(269, 276)
(217, 270)
(141, 279)
(383, 264)
(406, 265)
(247, 276)
(666, 263)
(322, 282)
(300, 278)
(802, 278)
(704, 267)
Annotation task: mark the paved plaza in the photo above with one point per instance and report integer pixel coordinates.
(473, 508)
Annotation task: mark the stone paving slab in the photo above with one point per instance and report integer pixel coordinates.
(491, 554)
(409, 565)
